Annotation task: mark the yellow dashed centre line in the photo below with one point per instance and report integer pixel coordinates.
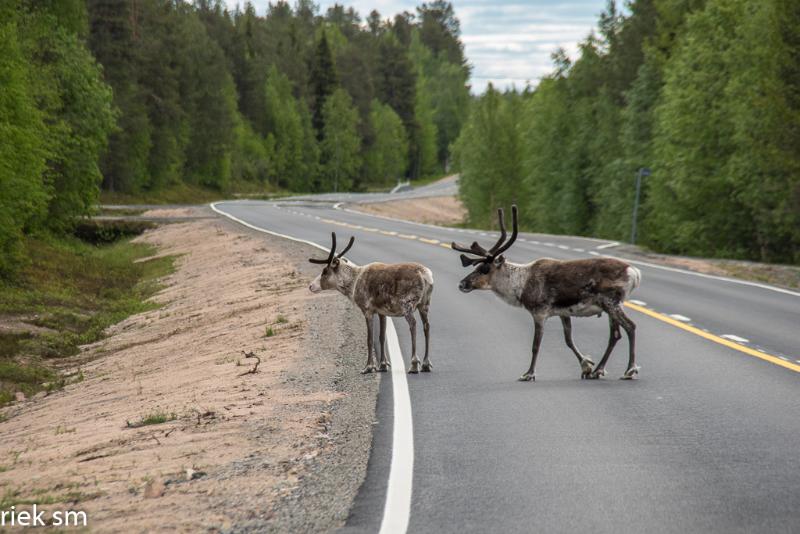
(429, 241)
(407, 236)
(716, 339)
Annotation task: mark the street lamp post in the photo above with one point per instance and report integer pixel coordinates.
(643, 172)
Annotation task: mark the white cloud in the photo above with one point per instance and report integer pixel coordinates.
(506, 42)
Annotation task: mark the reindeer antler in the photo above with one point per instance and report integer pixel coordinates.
(329, 259)
(350, 244)
(499, 247)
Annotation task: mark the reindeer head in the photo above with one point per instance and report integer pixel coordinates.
(334, 275)
(488, 262)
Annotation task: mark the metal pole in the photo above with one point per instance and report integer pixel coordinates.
(636, 205)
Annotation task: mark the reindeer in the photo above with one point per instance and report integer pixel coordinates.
(548, 287)
(394, 290)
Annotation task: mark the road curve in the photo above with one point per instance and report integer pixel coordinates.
(706, 439)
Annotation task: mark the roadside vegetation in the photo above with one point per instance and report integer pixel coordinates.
(704, 94)
(67, 293)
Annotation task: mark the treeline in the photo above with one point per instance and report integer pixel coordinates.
(140, 95)
(703, 93)
(55, 115)
(293, 99)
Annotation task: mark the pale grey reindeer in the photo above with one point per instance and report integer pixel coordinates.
(548, 287)
(385, 289)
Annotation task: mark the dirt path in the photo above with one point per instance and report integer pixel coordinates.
(237, 451)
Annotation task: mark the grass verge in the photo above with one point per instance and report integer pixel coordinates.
(69, 292)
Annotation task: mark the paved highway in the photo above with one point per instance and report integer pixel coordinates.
(706, 440)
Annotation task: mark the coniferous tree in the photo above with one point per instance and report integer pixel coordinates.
(323, 82)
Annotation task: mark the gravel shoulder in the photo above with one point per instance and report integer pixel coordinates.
(168, 432)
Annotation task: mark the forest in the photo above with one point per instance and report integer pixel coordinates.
(142, 95)
(703, 94)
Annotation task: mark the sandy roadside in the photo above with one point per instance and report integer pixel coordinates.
(447, 210)
(244, 451)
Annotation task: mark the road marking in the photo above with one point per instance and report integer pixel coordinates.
(638, 302)
(593, 253)
(397, 509)
(608, 245)
(716, 339)
(549, 244)
(680, 317)
(578, 250)
(429, 241)
(384, 232)
(563, 247)
(369, 229)
(407, 236)
(736, 338)
(703, 275)
(445, 245)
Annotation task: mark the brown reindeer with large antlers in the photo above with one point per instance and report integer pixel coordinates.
(394, 290)
(548, 287)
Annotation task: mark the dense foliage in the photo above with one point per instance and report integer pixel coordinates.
(142, 96)
(55, 116)
(704, 93)
(216, 97)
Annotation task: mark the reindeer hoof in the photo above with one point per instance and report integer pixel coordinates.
(527, 377)
(368, 369)
(586, 367)
(414, 369)
(427, 367)
(383, 367)
(631, 373)
(597, 373)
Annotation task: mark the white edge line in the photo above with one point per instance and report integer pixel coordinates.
(703, 275)
(608, 245)
(397, 510)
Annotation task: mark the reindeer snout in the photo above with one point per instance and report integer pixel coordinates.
(464, 286)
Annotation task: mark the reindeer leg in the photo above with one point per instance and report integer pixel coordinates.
(614, 336)
(370, 367)
(585, 362)
(384, 365)
(426, 327)
(412, 324)
(538, 332)
(630, 329)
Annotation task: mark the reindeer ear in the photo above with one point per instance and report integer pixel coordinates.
(499, 260)
(335, 263)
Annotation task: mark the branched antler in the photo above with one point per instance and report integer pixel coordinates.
(499, 247)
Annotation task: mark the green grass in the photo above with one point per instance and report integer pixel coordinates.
(281, 319)
(190, 194)
(73, 291)
(155, 418)
(269, 332)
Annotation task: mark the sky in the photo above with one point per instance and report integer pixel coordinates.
(507, 42)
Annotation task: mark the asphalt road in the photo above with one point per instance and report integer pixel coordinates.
(706, 440)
